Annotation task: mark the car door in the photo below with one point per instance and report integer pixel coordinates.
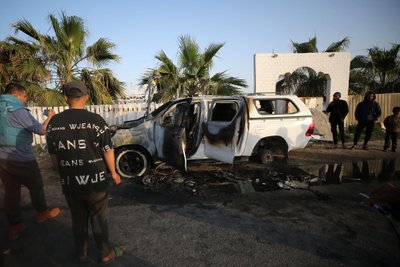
(224, 128)
(169, 134)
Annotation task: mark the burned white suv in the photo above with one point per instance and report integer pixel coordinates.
(220, 128)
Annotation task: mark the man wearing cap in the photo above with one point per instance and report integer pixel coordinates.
(18, 165)
(338, 110)
(79, 143)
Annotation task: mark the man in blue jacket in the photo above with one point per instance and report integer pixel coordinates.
(367, 113)
(18, 165)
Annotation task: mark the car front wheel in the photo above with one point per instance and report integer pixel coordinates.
(131, 162)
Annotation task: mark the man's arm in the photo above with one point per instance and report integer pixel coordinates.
(346, 109)
(110, 162)
(378, 110)
(46, 122)
(329, 108)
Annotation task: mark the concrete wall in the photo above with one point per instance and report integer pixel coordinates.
(268, 68)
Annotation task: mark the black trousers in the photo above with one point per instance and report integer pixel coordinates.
(369, 125)
(334, 126)
(93, 208)
(390, 136)
(17, 173)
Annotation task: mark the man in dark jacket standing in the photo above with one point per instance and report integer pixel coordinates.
(367, 112)
(338, 110)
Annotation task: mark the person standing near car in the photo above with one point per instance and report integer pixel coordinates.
(338, 110)
(367, 113)
(392, 125)
(79, 143)
(18, 165)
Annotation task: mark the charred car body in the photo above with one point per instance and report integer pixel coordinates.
(220, 128)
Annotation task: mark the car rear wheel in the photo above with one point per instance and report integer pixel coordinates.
(131, 162)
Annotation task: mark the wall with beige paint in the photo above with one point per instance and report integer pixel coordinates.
(268, 68)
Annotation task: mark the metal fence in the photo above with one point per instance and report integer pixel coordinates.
(386, 101)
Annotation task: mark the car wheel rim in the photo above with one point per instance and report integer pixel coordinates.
(131, 163)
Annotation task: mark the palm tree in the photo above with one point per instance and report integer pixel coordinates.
(380, 68)
(19, 63)
(55, 60)
(313, 84)
(191, 75)
(311, 46)
(305, 81)
(287, 83)
(5, 65)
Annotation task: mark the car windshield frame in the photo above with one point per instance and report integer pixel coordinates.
(160, 109)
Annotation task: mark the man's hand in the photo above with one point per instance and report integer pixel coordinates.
(51, 113)
(116, 178)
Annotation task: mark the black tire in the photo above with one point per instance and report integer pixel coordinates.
(266, 156)
(131, 162)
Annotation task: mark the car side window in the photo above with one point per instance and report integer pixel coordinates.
(285, 106)
(224, 111)
(275, 106)
(265, 106)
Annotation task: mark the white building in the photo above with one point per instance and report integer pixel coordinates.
(269, 67)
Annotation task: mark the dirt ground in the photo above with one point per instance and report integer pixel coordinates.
(307, 212)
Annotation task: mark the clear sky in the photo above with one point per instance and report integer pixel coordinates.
(141, 29)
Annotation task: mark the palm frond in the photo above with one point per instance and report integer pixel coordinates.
(360, 62)
(104, 88)
(27, 28)
(339, 46)
(99, 54)
(306, 47)
(211, 52)
(189, 54)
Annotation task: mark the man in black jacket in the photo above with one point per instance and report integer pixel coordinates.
(367, 112)
(338, 110)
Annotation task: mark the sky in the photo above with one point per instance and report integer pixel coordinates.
(141, 29)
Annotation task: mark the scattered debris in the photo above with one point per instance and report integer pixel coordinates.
(210, 181)
(246, 187)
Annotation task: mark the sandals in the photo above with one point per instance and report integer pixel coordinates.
(115, 252)
(83, 256)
